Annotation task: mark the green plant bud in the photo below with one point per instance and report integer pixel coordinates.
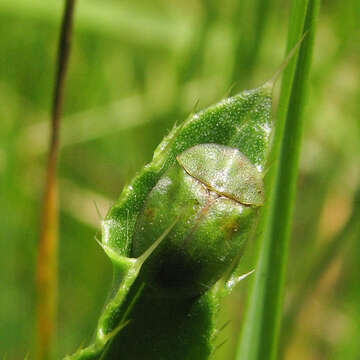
(178, 227)
(213, 191)
(242, 122)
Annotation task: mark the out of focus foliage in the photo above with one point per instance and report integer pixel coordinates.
(136, 68)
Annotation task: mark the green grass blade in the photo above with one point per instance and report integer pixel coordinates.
(262, 322)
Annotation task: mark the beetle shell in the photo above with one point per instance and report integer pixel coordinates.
(226, 171)
(213, 192)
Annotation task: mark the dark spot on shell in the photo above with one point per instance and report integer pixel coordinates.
(150, 213)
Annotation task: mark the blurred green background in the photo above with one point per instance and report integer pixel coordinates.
(136, 68)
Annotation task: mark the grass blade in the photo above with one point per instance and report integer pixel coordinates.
(262, 322)
(46, 275)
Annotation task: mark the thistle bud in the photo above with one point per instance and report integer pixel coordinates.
(178, 227)
(214, 192)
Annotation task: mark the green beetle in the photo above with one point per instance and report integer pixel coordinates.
(214, 192)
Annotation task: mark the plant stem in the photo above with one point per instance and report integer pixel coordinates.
(46, 276)
(262, 321)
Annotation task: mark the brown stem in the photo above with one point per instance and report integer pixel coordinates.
(46, 275)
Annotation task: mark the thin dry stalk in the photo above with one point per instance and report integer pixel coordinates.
(46, 275)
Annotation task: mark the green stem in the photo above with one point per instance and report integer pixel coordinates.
(262, 321)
